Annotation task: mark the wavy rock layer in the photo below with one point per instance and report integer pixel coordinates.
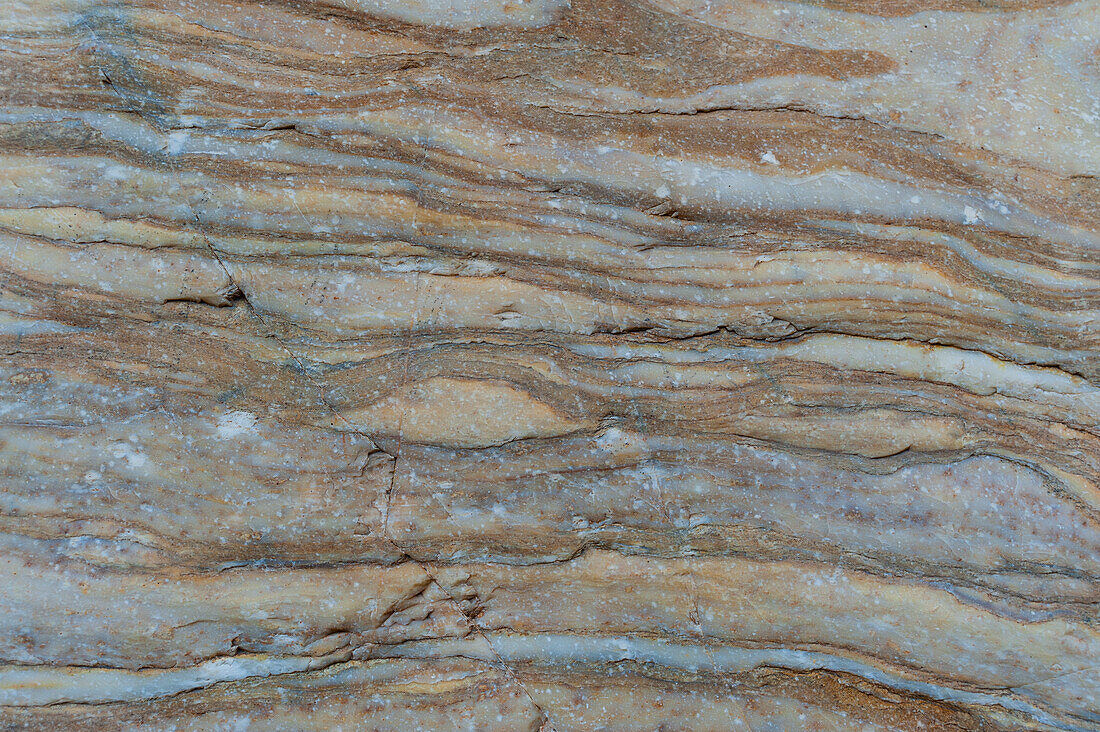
(591, 365)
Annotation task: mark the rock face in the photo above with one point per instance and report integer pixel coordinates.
(536, 364)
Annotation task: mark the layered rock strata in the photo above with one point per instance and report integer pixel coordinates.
(591, 365)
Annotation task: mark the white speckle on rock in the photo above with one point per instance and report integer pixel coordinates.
(611, 438)
(176, 141)
(133, 457)
(236, 423)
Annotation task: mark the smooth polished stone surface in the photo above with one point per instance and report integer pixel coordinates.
(550, 365)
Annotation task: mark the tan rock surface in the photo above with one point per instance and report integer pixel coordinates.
(572, 365)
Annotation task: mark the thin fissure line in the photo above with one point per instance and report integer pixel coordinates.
(508, 671)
